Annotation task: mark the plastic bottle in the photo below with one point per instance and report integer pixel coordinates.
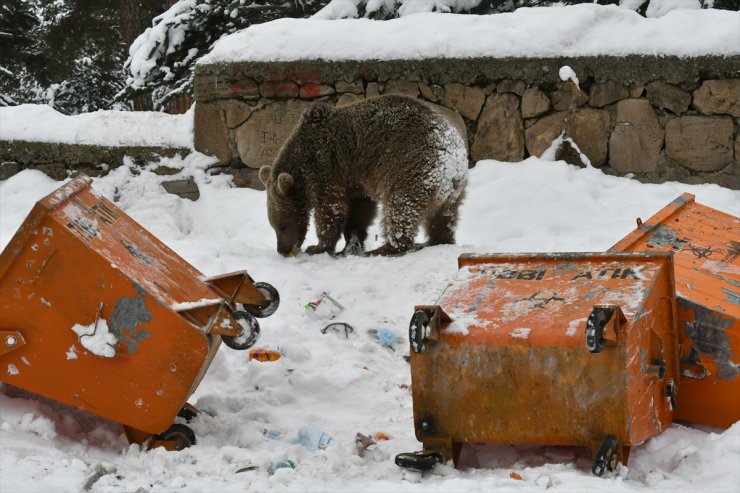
(313, 439)
(271, 434)
(264, 355)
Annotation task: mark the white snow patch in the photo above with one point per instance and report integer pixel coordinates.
(189, 305)
(12, 369)
(96, 338)
(520, 333)
(577, 30)
(71, 354)
(574, 325)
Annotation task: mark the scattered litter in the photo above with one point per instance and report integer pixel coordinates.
(313, 439)
(544, 481)
(325, 308)
(97, 472)
(385, 337)
(271, 434)
(515, 475)
(339, 327)
(283, 464)
(362, 443)
(264, 355)
(250, 467)
(381, 436)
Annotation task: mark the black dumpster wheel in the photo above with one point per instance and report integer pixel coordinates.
(250, 332)
(595, 330)
(606, 457)
(182, 435)
(417, 331)
(273, 301)
(419, 461)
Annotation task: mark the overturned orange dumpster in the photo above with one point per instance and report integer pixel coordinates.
(548, 349)
(706, 247)
(100, 315)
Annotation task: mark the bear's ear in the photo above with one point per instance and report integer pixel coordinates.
(318, 112)
(264, 174)
(285, 183)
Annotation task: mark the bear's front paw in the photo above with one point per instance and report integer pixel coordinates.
(315, 249)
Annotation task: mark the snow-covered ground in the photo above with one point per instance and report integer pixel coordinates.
(345, 386)
(349, 385)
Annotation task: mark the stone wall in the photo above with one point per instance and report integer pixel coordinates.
(654, 118)
(60, 160)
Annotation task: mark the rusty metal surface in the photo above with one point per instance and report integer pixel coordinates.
(706, 245)
(79, 261)
(511, 364)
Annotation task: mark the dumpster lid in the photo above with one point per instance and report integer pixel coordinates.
(706, 251)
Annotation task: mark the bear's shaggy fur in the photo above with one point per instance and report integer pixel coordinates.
(340, 162)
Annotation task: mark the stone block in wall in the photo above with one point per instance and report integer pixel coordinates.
(245, 177)
(668, 97)
(259, 139)
(433, 93)
(237, 113)
(636, 90)
(55, 171)
(209, 87)
(563, 96)
(402, 87)
(700, 143)
(466, 100)
(715, 97)
(514, 86)
(354, 87)
(590, 129)
(603, 93)
(279, 89)
(500, 133)
(737, 147)
(312, 90)
(534, 103)
(211, 134)
(373, 89)
(9, 168)
(539, 136)
(637, 138)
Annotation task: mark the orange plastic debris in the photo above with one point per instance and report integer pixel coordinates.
(550, 349)
(515, 475)
(99, 314)
(264, 355)
(706, 247)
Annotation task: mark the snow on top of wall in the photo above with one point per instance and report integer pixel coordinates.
(41, 123)
(578, 30)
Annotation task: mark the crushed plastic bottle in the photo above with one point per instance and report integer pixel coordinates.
(313, 439)
(264, 355)
(283, 464)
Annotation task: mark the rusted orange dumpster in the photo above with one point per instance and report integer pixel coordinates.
(549, 349)
(99, 314)
(706, 246)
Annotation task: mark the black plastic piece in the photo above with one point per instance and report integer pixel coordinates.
(419, 461)
(249, 335)
(606, 457)
(417, 331)
(181, 434)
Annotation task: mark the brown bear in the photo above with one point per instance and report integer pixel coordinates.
(340, 162)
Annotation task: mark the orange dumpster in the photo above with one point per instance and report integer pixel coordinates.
(706, 245)
(100, 315)
(547, 349)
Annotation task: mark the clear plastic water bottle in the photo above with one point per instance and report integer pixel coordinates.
(313, 439)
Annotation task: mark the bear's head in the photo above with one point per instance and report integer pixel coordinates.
(286, 210)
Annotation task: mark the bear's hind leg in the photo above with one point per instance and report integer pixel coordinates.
(362, 211)
(441, 224)
(401, 219)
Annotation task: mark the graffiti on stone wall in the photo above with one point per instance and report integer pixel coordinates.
(260, 138)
